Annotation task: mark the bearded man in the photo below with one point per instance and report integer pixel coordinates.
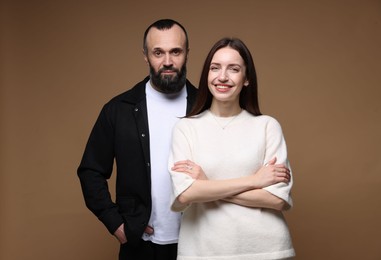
(133, 133)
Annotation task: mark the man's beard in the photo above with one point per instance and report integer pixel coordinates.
(168, 84)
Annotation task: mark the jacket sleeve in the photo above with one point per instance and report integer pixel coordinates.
(96, 168)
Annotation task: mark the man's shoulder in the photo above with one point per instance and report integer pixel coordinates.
(132, 95)
(190, 87)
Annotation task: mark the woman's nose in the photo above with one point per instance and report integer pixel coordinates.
(223, 76)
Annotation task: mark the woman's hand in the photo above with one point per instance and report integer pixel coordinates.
(272, 173)
(190, 168)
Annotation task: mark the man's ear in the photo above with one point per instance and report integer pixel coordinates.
(145, 56)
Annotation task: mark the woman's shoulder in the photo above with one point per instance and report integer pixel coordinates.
(261, 118)
(264, 121)
(191, 121)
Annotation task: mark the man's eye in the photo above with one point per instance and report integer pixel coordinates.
(176, 52)
(157, 53)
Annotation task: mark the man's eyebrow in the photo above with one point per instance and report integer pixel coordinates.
(171, 50)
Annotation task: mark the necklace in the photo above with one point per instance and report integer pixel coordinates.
(223, 126)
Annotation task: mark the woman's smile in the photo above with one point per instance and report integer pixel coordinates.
(222, 87)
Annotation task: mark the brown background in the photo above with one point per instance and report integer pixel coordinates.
(319, 69)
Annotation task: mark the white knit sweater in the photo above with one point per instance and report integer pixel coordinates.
(222, 230)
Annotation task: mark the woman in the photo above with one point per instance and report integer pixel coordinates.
(229, 166)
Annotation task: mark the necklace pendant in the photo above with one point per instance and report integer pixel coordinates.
(226, 124)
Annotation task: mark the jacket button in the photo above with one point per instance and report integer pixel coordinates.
(143, 135)
(136, 109)
(148, 164)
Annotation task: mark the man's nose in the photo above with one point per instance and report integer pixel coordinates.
(168, 60)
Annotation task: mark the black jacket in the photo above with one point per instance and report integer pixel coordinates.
(121, 133)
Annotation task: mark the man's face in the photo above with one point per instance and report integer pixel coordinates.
(166, 56)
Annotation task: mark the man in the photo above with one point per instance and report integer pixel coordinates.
(134, 130)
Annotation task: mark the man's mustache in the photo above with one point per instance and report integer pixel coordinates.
(171, 68)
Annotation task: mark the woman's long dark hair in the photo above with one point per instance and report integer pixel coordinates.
(248, 98)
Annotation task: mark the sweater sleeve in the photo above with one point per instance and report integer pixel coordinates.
(180, 150)
(276, 147)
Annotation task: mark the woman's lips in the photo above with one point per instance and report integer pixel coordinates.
(222, 88)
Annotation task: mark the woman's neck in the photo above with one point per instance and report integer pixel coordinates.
(225, 109)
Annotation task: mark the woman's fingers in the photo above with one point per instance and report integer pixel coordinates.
(186, 164)
(283, 173)
(280, 172)
(271, 162)
(183, 166)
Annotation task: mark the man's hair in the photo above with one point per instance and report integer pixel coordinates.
(164, 24)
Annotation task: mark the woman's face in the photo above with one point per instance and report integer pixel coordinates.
(227, 75)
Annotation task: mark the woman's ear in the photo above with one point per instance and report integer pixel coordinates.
(246, 83)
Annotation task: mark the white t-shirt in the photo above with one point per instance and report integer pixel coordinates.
(164, 110)
(223, 230)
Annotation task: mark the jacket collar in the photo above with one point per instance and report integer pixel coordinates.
(138, 92)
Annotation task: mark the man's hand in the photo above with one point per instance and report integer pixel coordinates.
(120, 235)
